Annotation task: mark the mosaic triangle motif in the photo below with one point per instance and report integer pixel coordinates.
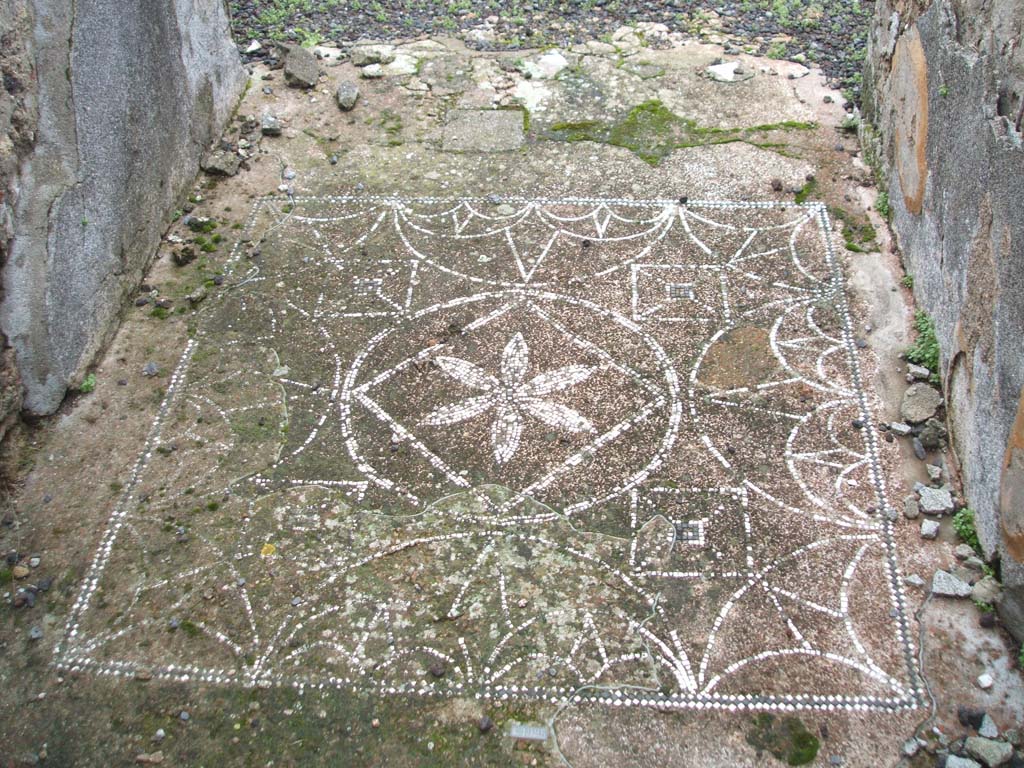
(559, 449)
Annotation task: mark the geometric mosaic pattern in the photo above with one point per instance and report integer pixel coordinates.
(571, 449)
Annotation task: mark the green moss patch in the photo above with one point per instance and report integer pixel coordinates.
(858, 234)
(787, 739)
(651, 131)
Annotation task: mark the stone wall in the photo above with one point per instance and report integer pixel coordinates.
(106, 108)
(17, 132)
(944, 86)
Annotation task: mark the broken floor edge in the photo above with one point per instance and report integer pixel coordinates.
(65, 661)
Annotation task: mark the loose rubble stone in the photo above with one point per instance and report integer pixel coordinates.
(965, 574)
(963, 551)
(367, 55)
(301, 69)
(918, 372)
(971, 717)
(485, 724)
(547, 66)
(990, 752)
(988, 728)
(181, 258)
(955, 761)
(153, 758)
(372, 72)
(728, 72)
(150, 370)
(986, 591)
(20, 571)
(948, 585)
(197, 296)
(919, 452)
(934, 472)
(270, 125)
(914, 580)
(985, 681)
(910, 508)
(346, 96)
(933, 435)
(920, 402)
(935, 501)
(974, 563)
(901, 429)
(221, 162)
(929, 529)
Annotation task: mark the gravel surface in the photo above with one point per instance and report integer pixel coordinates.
(829, 32)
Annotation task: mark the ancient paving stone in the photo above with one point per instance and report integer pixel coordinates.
(492, 130)
(513, 447)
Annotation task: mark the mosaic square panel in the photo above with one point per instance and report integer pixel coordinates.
(588, 450)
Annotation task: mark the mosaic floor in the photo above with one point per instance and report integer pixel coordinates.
(573, 449)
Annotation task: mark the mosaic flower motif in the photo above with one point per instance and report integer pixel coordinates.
(512, 397)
